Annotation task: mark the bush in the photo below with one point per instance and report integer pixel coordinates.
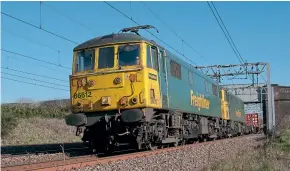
(8, 123)
(36, 110)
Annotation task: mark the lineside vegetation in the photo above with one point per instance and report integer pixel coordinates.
(11, 114)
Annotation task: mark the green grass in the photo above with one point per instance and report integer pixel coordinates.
(283, 141)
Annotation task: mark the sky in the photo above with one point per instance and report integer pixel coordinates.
(260, 30)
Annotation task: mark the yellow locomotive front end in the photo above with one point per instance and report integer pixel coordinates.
(112, 89)
(112, 77)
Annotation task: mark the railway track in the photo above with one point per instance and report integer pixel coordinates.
(91, 160)
(68, 148)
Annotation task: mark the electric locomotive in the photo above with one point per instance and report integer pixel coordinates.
(127, 90)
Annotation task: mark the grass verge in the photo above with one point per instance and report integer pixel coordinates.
(35, 123)
(273, 155)
(40, 131)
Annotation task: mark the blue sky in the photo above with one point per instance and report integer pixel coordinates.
(261, 31)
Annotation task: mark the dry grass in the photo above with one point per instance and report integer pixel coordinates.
(40, 130)
(270, 156)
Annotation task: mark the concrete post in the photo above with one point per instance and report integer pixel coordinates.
(269, 101)
(273, 109)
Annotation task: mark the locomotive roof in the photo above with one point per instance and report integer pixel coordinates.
(110, 39)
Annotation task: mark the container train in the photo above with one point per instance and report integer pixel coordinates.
(127, 90)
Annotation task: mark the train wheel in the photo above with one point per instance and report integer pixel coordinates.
(151, 147)
(175, 144)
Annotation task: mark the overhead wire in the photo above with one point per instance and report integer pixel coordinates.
(40, 85)
(24, 72)
(239, 55)
(81, 24)
(228, 36)
(129, 18)
(224, 32)
(34, 79)
(39, 60)
(25, 61)
(36, 42)
(32, 25)
(40, 14)
(33, 58)
(174, 32)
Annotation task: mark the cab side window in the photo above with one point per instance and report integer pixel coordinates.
(149, 64)
(154, 54)
(152, 62)
(163, 61)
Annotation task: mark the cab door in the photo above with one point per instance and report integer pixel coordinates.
(224, 105)
(163, 78)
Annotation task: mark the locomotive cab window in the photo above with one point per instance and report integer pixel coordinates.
(106, 57)
(85, 60)
(152, 57)
(129, 55)
(149, 63)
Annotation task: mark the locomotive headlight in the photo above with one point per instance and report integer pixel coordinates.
(106, 100)
(132, 77)
(79, 82)
(134, 100)
(84, 81)
(123, 101)
(117, 80)
(91, 83)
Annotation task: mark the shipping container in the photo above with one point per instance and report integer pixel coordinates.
(252, 119)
